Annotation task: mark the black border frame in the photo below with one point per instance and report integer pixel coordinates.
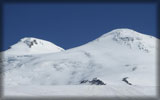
(79, 1)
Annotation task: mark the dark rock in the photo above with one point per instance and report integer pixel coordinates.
(84, 81)
(97, 82)
(94, 81)
(125, 80)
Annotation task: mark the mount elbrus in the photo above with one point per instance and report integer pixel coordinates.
(120, 57)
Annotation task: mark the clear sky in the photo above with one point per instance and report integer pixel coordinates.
(73, 24)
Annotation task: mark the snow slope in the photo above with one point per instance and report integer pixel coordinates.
(115, 56)
(92, 91)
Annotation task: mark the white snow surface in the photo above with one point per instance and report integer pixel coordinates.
(113, 56)
(93, 91)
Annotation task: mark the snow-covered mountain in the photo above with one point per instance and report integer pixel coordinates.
(122, 57)
(30, 45)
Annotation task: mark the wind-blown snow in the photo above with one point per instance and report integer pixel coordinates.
(119, 54)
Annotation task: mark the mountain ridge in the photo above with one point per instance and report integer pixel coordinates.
(121, 35)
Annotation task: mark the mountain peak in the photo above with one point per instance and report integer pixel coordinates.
(31, 45)
(124, 32)
(129, 38)
(30, 41)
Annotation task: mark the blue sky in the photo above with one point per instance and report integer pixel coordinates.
(73, 24)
